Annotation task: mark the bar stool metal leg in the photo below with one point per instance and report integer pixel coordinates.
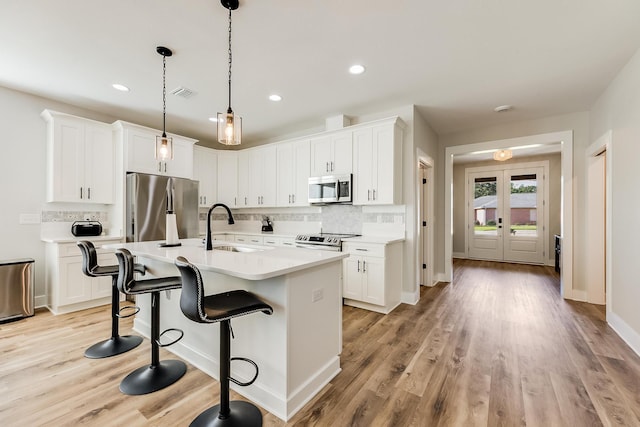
(117, 344)
(159, 374)
(236, 413)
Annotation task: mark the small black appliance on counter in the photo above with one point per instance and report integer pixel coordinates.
(86, 228)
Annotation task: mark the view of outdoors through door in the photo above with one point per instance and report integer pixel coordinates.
(506, 215)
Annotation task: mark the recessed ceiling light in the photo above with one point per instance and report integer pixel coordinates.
(503, 108)
(356, 69)
(275, 97)
(120, 87)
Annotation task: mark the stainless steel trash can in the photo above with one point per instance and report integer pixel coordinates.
(16, 288)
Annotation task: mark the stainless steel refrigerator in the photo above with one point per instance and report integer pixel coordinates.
(147, 207)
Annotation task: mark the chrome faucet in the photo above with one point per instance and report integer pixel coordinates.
(209, 242)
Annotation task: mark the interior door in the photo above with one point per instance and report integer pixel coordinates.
(506, 215)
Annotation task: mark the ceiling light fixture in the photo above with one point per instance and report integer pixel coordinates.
(356, 69)
(275, 97)
(502, 155)
(229, 125)
(164, 144)
(503, 108)
(121, 88)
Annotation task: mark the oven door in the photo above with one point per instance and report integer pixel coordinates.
(318, 247)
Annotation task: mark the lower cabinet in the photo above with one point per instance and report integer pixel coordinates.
(372, 275)
(68, 288)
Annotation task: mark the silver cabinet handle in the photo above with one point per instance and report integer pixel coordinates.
(81, 192)
(205, 200)
(368, 194)
(294, 198)
(362, 249)
(332, 166)
(165, 166)
(374, 194)
(358, 266)
(159, 166)
(364, 266)
(289, 198)
(327, 167)
(89, 193)
(235, 201)
(245, 201)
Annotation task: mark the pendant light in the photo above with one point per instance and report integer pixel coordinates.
(229, 125)
(164, 144)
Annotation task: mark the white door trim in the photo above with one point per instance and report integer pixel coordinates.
(566, 140)
(423, 158)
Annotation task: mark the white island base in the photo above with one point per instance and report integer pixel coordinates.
(297, 348)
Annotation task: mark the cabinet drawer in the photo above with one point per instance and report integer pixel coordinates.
(72, 249)
(365, 249)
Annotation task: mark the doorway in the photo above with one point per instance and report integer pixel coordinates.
(506, 215)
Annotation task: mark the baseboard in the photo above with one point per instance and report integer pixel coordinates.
(626, 332)
(40, 301)
(578, 295)
(440, 277)
(411, 298)
(460, 255)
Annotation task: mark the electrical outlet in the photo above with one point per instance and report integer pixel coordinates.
(317, 295)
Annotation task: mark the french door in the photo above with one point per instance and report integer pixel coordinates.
(506, 220)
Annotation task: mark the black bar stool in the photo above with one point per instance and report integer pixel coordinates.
(116, 344)
(159, 374)
(221, 308)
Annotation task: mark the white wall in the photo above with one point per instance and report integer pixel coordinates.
(22, 168)
(618, 109)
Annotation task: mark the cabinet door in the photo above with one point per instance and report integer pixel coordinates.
(227, 182)
(301, 173)
(320, 156)
(245, 197)
(352, 272)
(373, 289)
(285, 183)
(342, 153)
(268, 181)
(99, 163)
(384, 161)
(141, 145)
(67, 163)
(363, 167)
(205, 171)
(75, 287)
(182, 163)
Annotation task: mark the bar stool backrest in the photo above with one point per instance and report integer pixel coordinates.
(126, 269)
(191, 298)
(89, 257)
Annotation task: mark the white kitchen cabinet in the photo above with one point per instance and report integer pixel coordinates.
(68, 288)
(372, 275)
(377, 174)
(294, 168)
(248, 238)
(205, 171)
(227, 182)
(243, 200)
(262, 176)
(80, 159)
(139, 148)
(332, 154)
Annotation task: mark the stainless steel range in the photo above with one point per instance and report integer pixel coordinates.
(324, 241)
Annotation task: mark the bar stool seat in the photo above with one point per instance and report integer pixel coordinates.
(159, 374)
(221, 308)
(117, 344)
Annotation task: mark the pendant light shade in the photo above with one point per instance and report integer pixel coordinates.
(164, 144)
(229, 124)
(502, 155)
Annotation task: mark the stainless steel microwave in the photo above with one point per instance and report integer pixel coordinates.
(330, 189)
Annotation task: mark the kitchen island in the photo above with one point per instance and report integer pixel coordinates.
(297, 348)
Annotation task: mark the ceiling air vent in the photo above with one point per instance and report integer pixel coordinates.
(183, 92)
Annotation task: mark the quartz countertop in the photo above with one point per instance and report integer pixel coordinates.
(262, 264)
(385, 240)
(72, 239)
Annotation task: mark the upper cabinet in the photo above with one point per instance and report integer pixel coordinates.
(294, 169)
(377, 174)
(332, 154)
(227, 182)
(262, 176)
(205, 171)
(80, 159)
(139, 151)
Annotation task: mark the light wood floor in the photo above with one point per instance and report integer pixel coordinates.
(497, 346)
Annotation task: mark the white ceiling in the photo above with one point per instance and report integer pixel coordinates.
(455, 60)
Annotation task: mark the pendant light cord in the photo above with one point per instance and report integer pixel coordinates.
(164, 96)
(229, 59)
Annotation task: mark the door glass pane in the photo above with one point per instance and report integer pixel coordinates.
(485, 206)
(523, 203)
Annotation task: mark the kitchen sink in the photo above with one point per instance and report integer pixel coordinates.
(236, 249)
